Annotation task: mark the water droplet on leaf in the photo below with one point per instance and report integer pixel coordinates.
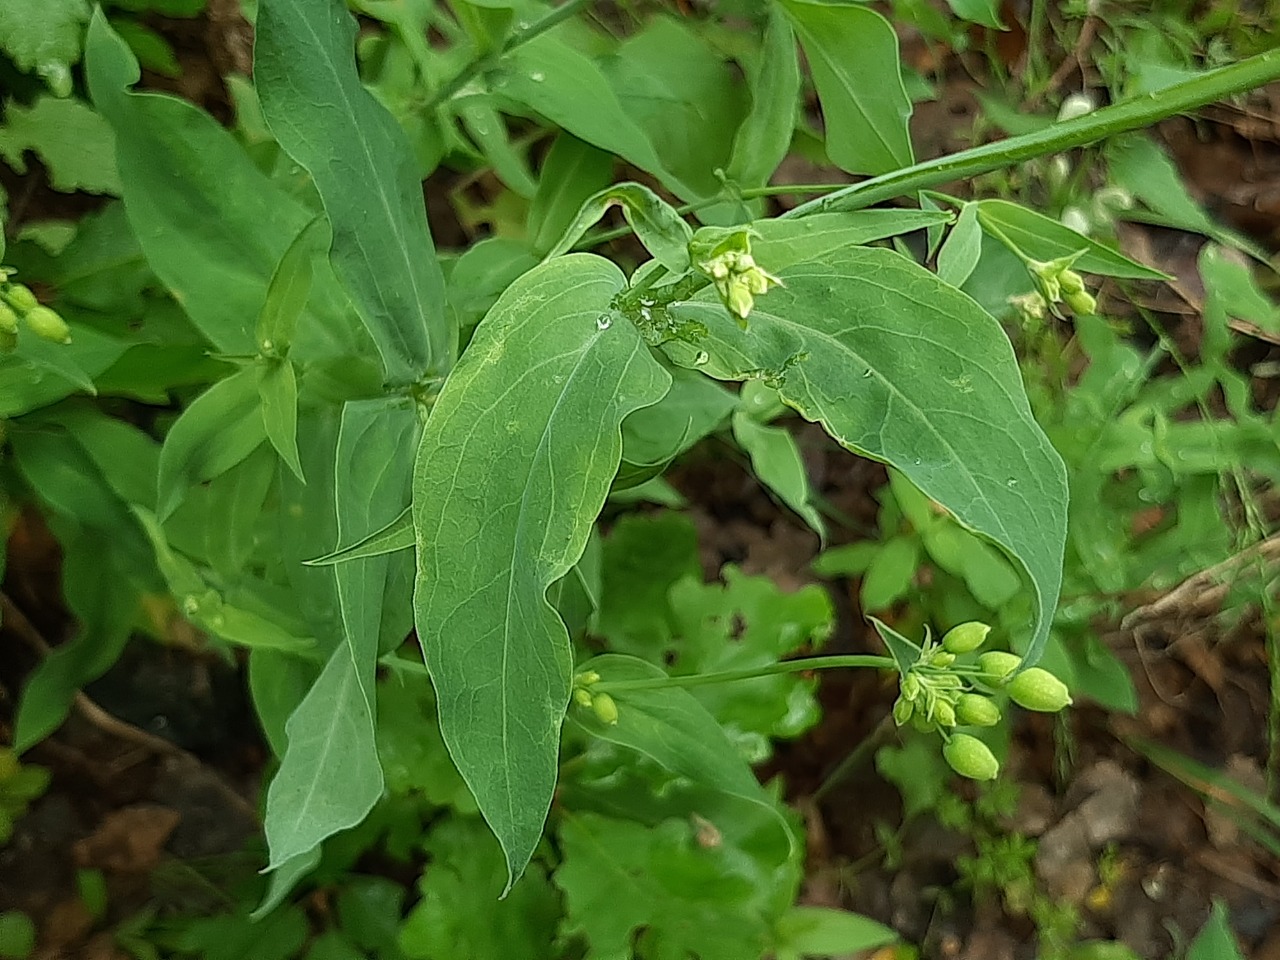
(701, 358)
(603, 322)
(537, 76)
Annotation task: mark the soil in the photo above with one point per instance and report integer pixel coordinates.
(159, 765)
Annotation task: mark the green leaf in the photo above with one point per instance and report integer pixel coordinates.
(959, 254)
(221, 427)
(288, 289)
(669, 726)
(278, 388)
(891, 572)
(820, 932)
(679, 90)
(17, 935)
(656, 223)
(487, 128)
(900, 367)
(1043, 238)
(984, 12)
(73, 142)
(396, 535)
(853, 55)
(283, 879)
(572, 172)
(212, 226)
(460, 915)
(413, 755)
(41, 33)
(773, 77)
(569, 89)
(330, 777)
(39, 373)
(1215, 941)
(515, 463)
(620, 877)
(779, 244)
(654, 436)
(312, 98)
(776, 461)
(904, 652)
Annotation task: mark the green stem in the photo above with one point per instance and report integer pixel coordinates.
(1122, 117)
(748, 673)
(861, 754)
(517, 39)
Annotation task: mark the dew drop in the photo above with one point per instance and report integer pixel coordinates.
(537, 76)
(866, 374)
(603, 322)
(701, 358)
(1011, 482)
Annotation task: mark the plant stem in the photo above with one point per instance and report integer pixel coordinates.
(748, 673)
(860, 755)
(1122, 117)
(517, 39)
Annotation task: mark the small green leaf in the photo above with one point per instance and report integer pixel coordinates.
(891, 572)
(853, 54)
(779, 244)
(360, 160)
(221, 427)
(960, 252)
(73, 142)
(904, 652)
(773, 76)
(515, 463)
(17, 935)
(656, 223)
(1215, 941)
(983, 12)
(288, 289)
(776, 461)
(821, 932)
(1043, 238)
(572, 172)
(278, 388)
(396, 535)
(39, 34)
(487, 128)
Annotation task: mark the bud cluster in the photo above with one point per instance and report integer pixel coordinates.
(18, 303)
(600, 703)
(939, 694)
(725, 257)
(1058, 283)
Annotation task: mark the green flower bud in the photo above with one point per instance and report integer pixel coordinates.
(965, 637)
(8, 319)
(910, 686)
(581, 698)
(970, 757)
(1038, 689)
(1071, 282)
(47, 325)
(737, 297)
(997, 666)
(942, 658)
(922, 723)
(586, 678)
(1081, 302)
(606, 710)
(902, 711)
(20, 298)
(975, 710)
(944, 714)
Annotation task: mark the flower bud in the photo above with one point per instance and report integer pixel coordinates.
(944, 714)
(910, 686)
(997, 666)
(970, 757)
(47, 325)
(586, 678)
(8, 319)
(1040, 690)
(902, 710)
(605, 709)
(20, 298)
(965, 637)
(581, 697)
(942, 658)
(975, 710)
(1082, 303)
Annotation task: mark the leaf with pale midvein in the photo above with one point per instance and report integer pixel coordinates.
(330, 776)
(363, 168)
(900, 367)
(514, 466)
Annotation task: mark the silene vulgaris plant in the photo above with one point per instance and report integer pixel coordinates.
(379, 439)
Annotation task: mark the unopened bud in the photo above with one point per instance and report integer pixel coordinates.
(966, 637)
(605, 709)
(942, 658)
(47, 325)
(1081, 303)
(902, 710)
(581, 698)
(1040, 690)
(20, 298)
(975, 710)
(944, 714)
(997, 666)
(970, 757)
(8, 319)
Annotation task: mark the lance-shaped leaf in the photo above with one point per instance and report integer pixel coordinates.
(656, 223)
(330, 776)
(900, 367)
(514, 466)
(312, 98)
